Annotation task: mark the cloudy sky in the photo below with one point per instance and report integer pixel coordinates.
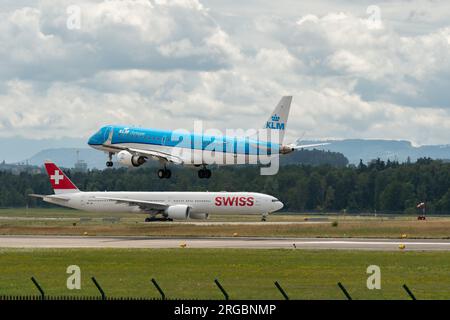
(356, 70)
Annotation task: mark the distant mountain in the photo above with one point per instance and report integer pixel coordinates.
(67, 157)
(314, 158)
(15, 149)
(400, 150)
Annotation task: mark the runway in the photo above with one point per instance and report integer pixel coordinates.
(238, 242)
(195, 223)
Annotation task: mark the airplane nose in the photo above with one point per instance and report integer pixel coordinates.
(91, 140)
(94, 140)
(279, 205)
(276, 204)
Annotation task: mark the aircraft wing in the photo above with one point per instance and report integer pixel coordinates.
(160, 155)
(148, 153)
(148, 205)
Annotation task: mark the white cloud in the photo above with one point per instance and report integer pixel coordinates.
(161, 35)
(347, 62)
(167, 63)
(346, 115)
(344, 43)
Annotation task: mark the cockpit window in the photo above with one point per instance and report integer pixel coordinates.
(275, 200)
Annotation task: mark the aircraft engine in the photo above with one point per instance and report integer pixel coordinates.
(178, 212)
(127, 159)
(199, 216)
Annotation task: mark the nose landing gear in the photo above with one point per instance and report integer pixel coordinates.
(109, 163)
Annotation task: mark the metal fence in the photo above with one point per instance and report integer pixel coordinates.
(103, 296)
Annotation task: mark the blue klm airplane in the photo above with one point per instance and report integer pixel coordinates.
(135, 146)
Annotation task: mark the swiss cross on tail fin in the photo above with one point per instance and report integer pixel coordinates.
(60, 182)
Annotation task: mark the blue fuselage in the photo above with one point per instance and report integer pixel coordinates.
(157, 139)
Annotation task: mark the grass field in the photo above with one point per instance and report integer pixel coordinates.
(46, 221)
(245, 274)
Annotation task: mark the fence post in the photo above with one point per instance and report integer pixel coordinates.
(409, 292)
(281, 290)
(99, 288)
(344, 291)
(222, 289)
(163, 296)
(39, 288)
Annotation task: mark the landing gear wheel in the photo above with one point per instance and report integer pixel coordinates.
(155, 219)
(204, 173)
(164, 173)
(263, 218)
(109, 163)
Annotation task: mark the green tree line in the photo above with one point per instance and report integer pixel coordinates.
(378, 186)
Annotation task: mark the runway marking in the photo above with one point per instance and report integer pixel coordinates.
(249, 243)
(381, 242)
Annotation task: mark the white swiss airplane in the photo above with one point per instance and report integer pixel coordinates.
(158, 205)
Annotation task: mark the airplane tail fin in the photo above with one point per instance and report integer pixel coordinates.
(277, 122)
(60, 182)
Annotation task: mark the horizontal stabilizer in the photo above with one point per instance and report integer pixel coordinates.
(49, 197)
(41, 196)
(309, 145)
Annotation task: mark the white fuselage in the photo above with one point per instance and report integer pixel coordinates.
(199, 202)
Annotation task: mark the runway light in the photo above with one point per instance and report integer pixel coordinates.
(235, 234)
(183, 245)
(401, 246)
(404, 236)
(85, 233)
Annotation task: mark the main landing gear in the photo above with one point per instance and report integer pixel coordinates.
(164, 173)
(264, 217)
(151, 219)
(204, 173)
(109, 163)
